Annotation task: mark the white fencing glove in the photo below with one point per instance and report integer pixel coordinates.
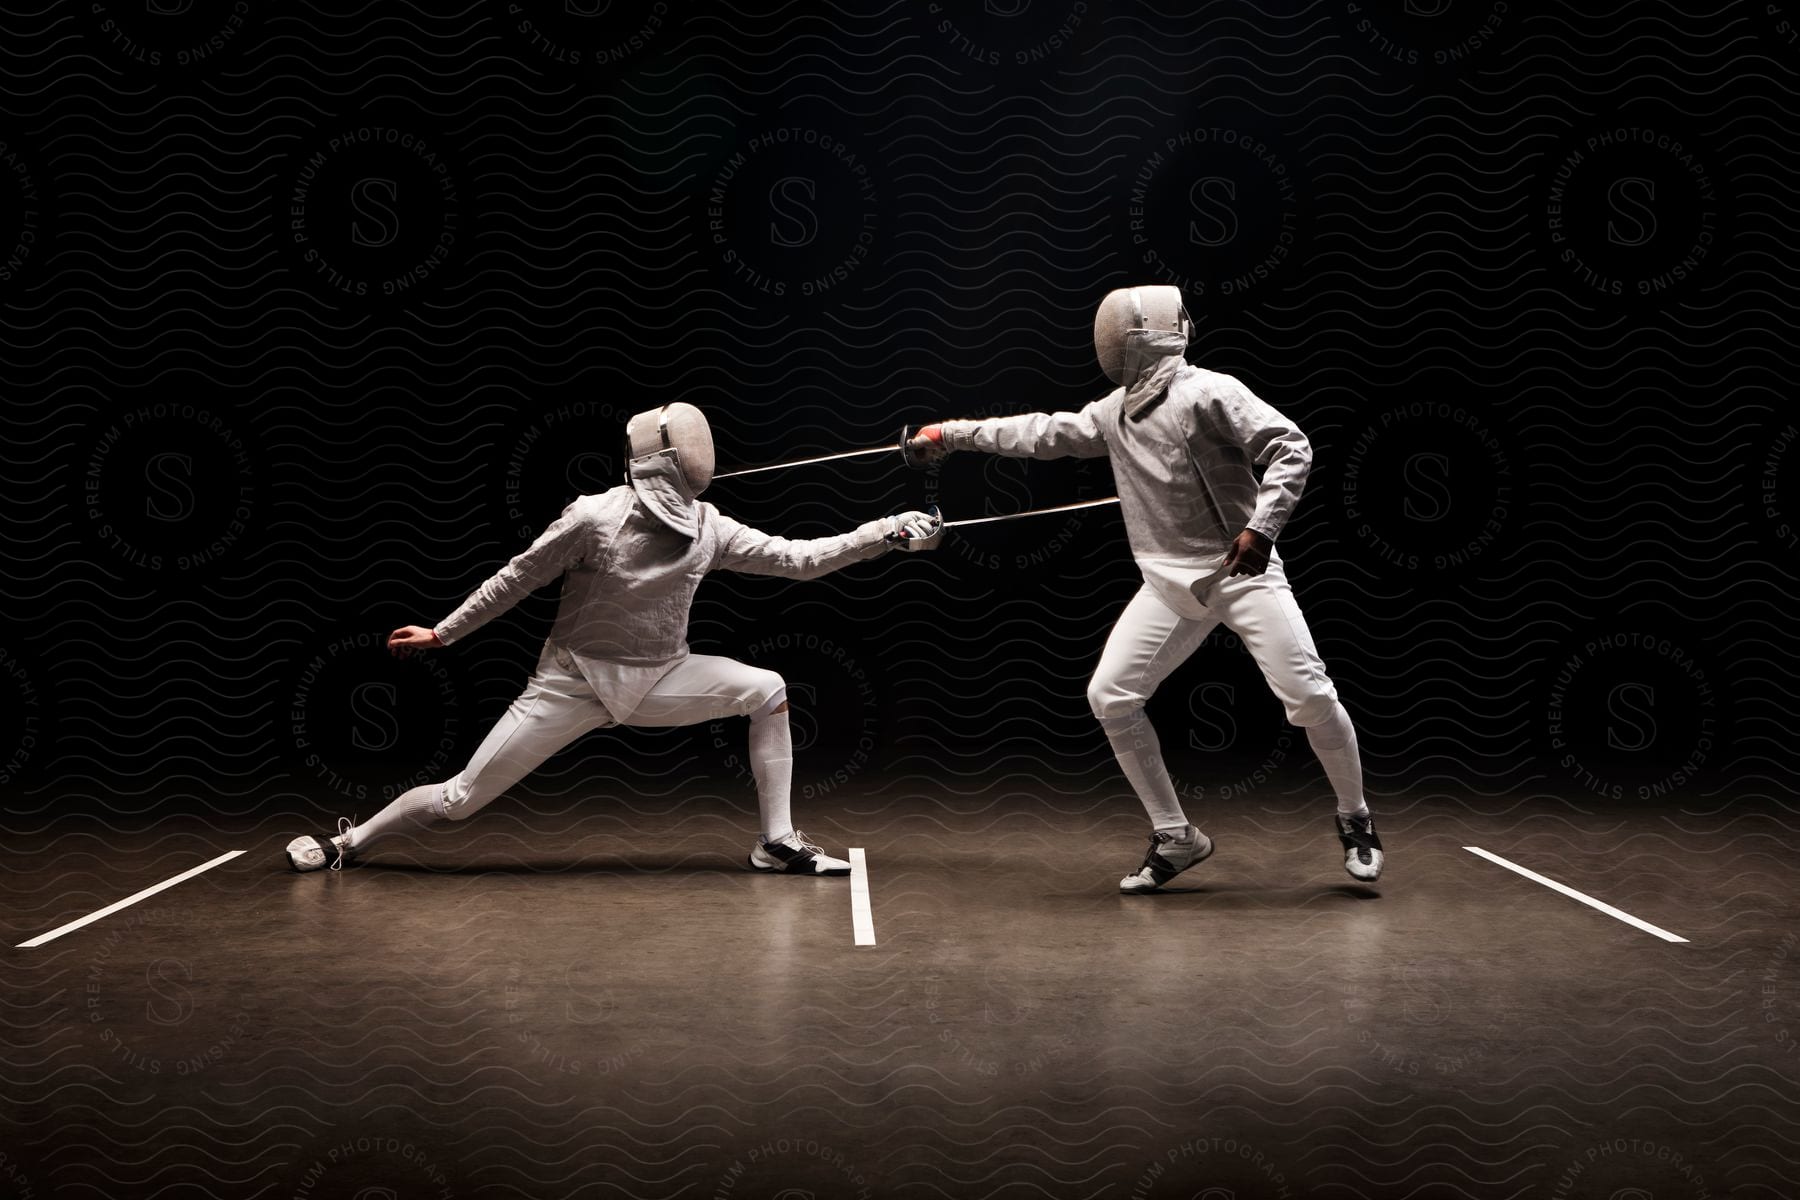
(916, 530)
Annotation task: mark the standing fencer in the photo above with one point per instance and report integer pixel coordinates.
(1203, 531)
(631, 559)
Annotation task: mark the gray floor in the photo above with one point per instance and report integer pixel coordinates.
(587, 997)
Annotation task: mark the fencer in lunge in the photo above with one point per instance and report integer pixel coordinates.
(1203, 530)
(631, 559)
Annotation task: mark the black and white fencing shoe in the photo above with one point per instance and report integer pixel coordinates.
(310, 853)
(1169, 856)
(1362, 846)
(795, 855)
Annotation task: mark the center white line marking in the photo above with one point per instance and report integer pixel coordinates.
(110, 909)
(862, 917)
(1570, 892)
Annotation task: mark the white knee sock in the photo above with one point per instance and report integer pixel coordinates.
(772, 762)
(1139, 751)
(414, 809)
(1334, 741)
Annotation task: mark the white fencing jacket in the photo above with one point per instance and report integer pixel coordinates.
(631, 559)
(1184, 472)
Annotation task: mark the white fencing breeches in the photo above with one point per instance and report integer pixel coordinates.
(1151, 640)
(558, 705)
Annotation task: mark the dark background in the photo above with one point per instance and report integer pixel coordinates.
(275, 384)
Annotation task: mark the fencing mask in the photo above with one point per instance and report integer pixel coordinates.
(677, 427)
(1136, 330)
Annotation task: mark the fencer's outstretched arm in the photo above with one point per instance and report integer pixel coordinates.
(1229, 415)
(754, 552)
(559, 548)
(1031, 435)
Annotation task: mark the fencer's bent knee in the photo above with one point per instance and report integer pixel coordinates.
(459, 801)
(1334, 733)
(775, 700)
(1110, 699)
(1314, 708)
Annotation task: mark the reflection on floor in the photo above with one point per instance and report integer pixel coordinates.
(594, 998)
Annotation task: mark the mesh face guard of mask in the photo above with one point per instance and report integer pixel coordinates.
(1157, 307)
(679, 427)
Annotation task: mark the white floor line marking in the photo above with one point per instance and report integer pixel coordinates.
(1570, 892)
(862, 917)
(110, 909)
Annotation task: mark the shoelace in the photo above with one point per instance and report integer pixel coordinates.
(807, 843)
(342, 842)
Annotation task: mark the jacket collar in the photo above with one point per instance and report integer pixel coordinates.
(661, 488)
(1154, 357)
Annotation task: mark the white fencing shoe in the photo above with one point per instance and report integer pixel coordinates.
(1169, 856)
(1362, 846)
(311, 853)
(795, 855)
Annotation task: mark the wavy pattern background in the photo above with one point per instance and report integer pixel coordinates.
(313, 315)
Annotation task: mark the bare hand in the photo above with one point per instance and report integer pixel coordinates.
(411, 638)
(1249, 554)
